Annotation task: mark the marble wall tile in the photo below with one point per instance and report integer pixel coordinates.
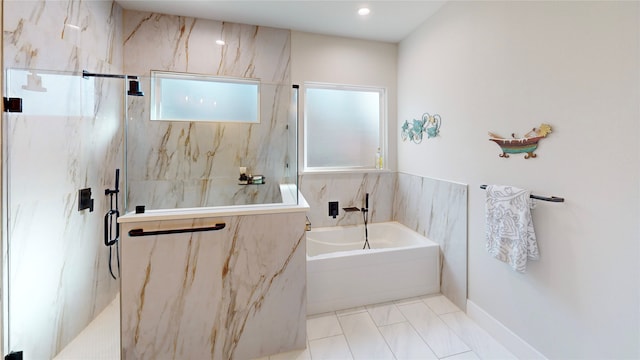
(437, 209)
(233, 293)
(349, 190)
(160, 152)
(58, 264)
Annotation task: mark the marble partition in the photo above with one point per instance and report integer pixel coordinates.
(195, 164)
(68, 137)
(437, 209)
(348, 189)
(235, 293)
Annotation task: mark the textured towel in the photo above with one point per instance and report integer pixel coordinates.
(509, 227)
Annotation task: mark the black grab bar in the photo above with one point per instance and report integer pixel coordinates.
(141, 232)
(537, 197)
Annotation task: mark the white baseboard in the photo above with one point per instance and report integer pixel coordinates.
(515, 344)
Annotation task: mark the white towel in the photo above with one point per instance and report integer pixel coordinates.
(509, 228)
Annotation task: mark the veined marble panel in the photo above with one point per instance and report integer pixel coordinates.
(349, 190)
(161, 152)
(60, 35)
(177, 43)
(239, 292)
(218, 191)
(437, 209)
(58, 264)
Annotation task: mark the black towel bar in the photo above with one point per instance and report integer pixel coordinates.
(141, 232)
(543, 198)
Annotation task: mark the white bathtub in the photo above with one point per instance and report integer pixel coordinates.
(340, 274)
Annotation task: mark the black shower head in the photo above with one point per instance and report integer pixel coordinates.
(134, 88)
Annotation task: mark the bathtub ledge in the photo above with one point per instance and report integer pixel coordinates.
(218, 211)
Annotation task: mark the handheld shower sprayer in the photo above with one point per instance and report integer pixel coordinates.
(366, 203)
(111, 227)
(365, 216)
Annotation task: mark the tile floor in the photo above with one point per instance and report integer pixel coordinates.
(428, 327)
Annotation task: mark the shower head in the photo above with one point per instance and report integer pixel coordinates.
(134, 88)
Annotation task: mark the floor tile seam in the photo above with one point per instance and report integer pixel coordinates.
(345, 340)
(420, 335)
(459, 335)
(332, 335)
(387, 342)
(407, 301)
(382, 336)
(377, 329)
(344, 335)
(460, 353)
(391, 323)
(424, 300)
(344, 313)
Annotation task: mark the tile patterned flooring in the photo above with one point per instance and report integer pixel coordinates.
(429, 327)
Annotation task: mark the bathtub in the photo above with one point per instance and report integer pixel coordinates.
(340, 274)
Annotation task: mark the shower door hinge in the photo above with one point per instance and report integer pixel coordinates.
(14, 355)
(12, 104)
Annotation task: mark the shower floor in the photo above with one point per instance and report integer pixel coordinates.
(100, 340)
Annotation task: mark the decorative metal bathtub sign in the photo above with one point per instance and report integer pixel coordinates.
(527, 144)
(429, 124)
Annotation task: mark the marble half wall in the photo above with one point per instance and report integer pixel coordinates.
(235, 293)
(181, 164)
(349, 190)
(58, 267)
(437, 209)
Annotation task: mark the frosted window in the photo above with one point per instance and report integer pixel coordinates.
(191, 97)
(343, 127)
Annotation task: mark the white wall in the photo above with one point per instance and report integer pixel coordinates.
(331, 59)
(506, 67)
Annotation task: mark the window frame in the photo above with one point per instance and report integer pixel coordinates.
(382, 129)
(156, 93)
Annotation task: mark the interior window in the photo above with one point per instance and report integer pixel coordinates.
(195, 97)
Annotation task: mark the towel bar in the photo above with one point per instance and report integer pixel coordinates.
(141, 232)
(543, 198)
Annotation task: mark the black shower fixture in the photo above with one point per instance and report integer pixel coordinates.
(134, 84)
(134, 88)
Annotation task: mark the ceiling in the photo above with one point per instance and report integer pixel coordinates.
(389, 21)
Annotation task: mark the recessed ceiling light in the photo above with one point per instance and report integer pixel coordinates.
(220, 42)
(364, 11)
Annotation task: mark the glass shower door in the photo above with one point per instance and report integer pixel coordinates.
(67, 138)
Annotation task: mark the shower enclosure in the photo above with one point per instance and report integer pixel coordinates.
(68, 137)
(60, 153)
